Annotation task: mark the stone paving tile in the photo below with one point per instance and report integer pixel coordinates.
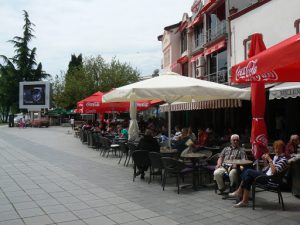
(30, 212)
(6, 207)
(136, 223)
(99, 220)
(12, 222)
(8, 215)
(77, 206)
(62, 217)
(122, 217)
(38, 220)
(74, 222)
(54, 209)
(86, 213)
(161, 220)
(144, 214)
(110, 209)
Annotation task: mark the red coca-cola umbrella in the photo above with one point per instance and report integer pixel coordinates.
(280, 63)
(259, 138)
(94, 104)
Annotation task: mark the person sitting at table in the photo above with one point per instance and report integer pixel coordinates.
(278, 164)
(234, 151)
(191, 134)
(292, 146)
(148, 143)
(177, 133)
(202, 137)
(180, 143)
(122, 132)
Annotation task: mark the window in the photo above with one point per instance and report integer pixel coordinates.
(216, 25)
(297, 26)
(185, 69)
(217, 67)
(183, 41)
(199, 36)
(246, 44)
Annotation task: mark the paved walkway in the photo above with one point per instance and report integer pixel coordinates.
(49, 177)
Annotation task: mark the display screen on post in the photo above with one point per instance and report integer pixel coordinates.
(34, 94)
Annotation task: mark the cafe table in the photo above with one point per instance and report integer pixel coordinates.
(194, 157)
(240, 162)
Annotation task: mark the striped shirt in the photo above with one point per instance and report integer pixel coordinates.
(280, 163)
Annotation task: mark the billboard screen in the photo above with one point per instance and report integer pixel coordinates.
(34, 95)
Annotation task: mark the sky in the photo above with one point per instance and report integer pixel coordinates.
(125, 29)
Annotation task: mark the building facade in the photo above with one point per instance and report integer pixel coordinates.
(217, 36)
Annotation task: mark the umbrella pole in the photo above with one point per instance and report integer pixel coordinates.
(169, 124)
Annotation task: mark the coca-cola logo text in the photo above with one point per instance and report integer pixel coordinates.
(249, 73)
(92, 104)
(262, 139)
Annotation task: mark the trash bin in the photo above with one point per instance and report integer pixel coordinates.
(11, 120)
(296, 177)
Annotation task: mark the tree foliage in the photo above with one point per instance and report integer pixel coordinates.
(92, 75)
(21, 67)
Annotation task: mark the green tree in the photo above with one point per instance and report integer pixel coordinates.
(93, 75)
(21, 67)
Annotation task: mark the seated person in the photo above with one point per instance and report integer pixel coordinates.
(177, 133)
(278, 164)
(122, 132)
(234, 151)
(292, 146)
(202, 137)
(192, 135)
(179, 144)
(148, 143)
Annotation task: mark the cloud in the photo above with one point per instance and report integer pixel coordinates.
(127, 29)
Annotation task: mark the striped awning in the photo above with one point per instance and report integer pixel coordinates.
(214, 104)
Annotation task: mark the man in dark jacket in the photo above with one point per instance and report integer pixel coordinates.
(148, 143)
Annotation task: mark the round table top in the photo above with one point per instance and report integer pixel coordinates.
(238, 161)
(194, 155)
(162, 150)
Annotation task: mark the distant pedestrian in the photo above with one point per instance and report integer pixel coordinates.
(72, 122)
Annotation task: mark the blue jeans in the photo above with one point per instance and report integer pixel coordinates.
(249, 176)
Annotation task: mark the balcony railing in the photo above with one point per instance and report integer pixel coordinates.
(217, 31)
(218, 77)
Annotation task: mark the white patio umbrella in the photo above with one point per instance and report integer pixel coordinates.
(171, 87)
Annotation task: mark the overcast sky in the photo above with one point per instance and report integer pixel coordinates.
(126, 29)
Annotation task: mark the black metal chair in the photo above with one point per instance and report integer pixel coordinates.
(269, 183)
(156, 165)
(141, 162)
(96, 140)
(107, 146)
(176, 168)
(131, 148)
(123, 150)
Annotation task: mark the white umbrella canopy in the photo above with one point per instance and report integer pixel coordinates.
(171, 87)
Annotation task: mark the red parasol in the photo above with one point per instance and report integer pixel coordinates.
(280, 63)
(94, 104)
(259, 138)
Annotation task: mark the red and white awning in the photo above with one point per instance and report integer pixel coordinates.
(221, 44)
(213, 104)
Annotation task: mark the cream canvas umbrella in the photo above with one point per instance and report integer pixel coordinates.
(171, 87)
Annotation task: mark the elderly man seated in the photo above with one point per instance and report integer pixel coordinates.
(234, 151)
